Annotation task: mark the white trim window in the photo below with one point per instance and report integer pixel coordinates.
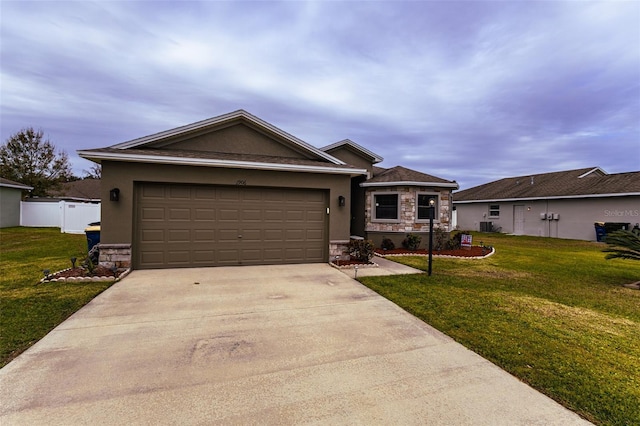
(494, 210)
(386, 207)
(422, 206)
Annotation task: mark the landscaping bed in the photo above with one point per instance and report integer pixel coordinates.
(475, 251)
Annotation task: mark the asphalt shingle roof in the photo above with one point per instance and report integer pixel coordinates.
(402, 174)
(80, 189)
(568, 183)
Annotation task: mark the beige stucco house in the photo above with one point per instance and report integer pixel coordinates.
(563, 204)
(236, 190)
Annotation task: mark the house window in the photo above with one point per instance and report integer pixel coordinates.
(494, 210)
(386, 206)
(423, 205)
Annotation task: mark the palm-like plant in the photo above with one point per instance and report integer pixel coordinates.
(623, 245)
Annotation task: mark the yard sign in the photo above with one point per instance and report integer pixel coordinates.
(465, 241)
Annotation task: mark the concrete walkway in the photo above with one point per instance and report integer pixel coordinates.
(293, 344)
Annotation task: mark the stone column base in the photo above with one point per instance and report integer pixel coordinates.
(338, 250)
(118, 255)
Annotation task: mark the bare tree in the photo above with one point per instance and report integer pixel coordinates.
(94, 172)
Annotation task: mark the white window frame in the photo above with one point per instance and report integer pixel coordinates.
(437, 206)
(373, 207)
(496, 209)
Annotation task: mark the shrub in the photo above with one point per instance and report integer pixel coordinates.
(387, 244)
(361, 250)
(440, 239)
(412, 242)
(455, 242)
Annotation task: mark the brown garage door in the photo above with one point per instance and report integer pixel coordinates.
(201, 225)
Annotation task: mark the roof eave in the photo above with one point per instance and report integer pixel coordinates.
(452, 185)
(554, 197)
(375, 158)
(19, 186)
(204, 162)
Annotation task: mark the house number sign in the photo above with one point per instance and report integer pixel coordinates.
(241, 182)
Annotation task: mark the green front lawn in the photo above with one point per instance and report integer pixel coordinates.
(551, 312)
(29, 310)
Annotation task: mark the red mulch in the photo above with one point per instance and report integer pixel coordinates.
(99, 271)
(350, 262)
(474, 251)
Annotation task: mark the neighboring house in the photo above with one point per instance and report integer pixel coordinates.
(236, 190)
(563, 204)
(84, 190)
(10, 197)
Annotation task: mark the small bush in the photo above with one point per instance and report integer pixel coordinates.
(440, 239)
(412, 242)
(455, 242)
(361, 250)
(387, 244)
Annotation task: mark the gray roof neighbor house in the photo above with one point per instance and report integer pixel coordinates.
(564, 204)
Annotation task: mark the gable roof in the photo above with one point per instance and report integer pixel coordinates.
(149, 149)
(358, 149)
(399, 175)
(6, 183)
(85, 189)
(239, 115)
(580, 183)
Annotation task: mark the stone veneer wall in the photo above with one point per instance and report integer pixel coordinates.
(118, 255)
(339, 249)
(408, 212)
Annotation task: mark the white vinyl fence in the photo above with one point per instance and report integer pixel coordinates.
(70, 217)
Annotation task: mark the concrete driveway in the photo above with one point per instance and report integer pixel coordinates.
(258, 345)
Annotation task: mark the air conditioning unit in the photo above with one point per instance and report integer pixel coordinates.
(556, 216)
(486, 226)
(543, 216)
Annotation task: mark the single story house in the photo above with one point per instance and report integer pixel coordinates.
(563, 204)
(236, 190)
(10, 197)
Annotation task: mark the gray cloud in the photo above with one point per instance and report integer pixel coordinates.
(471, 91)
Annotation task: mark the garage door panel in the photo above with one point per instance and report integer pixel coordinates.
(178, 257)
(152, 213)
(271, 215)
(179, 213)
(179, 235)
(228, 215)
(152, 235)
(295, 235)
(204, 235)
(204, 193)
(197, 225)
(204, 256)
(179, 192)
(295, 216)
(204, 214)
(314, 235)
(252, 215)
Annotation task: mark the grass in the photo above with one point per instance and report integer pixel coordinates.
(551, 312)
(28, 310)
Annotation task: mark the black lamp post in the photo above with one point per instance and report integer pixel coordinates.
(432, 214)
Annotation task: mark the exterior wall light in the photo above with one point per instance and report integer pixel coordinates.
(342, 201)
(114, 194)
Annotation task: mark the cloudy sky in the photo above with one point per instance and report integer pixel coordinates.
(472, 91)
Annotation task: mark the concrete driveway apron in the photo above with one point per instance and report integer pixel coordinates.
(289, 344)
